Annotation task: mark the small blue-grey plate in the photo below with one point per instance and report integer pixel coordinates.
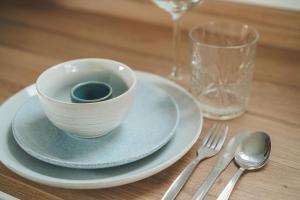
(150, 124)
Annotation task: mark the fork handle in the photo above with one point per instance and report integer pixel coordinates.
(181, 179)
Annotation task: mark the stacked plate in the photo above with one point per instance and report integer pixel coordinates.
(159, 129)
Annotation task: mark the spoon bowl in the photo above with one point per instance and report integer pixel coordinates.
(254, 152)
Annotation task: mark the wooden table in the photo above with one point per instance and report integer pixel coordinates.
(38, 34)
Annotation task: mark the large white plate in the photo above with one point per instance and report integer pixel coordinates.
(187, 133)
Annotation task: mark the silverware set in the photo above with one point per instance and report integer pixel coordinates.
(211, 145)
(250, 151)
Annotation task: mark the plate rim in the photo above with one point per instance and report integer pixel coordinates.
(113, 181)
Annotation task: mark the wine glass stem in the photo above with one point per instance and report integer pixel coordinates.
(175, 73)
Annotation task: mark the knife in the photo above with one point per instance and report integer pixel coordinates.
(222, 162)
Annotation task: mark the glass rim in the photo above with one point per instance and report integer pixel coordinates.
(197, 42)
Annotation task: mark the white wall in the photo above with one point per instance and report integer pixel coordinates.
(282, 4)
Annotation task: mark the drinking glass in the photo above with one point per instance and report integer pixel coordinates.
(176, 8)
(223, 61)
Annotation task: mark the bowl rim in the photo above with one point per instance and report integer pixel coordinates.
(40, 93)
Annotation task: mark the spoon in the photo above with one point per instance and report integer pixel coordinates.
(251, 154)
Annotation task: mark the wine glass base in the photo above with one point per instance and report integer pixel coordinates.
(181, 79)
(176, 74)
(175, 77)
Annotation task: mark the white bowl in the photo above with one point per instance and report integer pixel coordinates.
(86, 120)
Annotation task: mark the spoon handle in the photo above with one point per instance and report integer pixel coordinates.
(230, 185)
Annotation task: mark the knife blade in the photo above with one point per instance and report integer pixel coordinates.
(223, 161)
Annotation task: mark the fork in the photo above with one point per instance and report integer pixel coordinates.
(211, 145)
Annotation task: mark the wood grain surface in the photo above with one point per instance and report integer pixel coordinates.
(37, 34)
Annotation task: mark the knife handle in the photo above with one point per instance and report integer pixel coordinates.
(175, 188)
(209, 181)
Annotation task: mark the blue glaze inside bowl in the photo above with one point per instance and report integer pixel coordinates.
(91, 91)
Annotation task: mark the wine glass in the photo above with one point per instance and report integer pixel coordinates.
(176, 8)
